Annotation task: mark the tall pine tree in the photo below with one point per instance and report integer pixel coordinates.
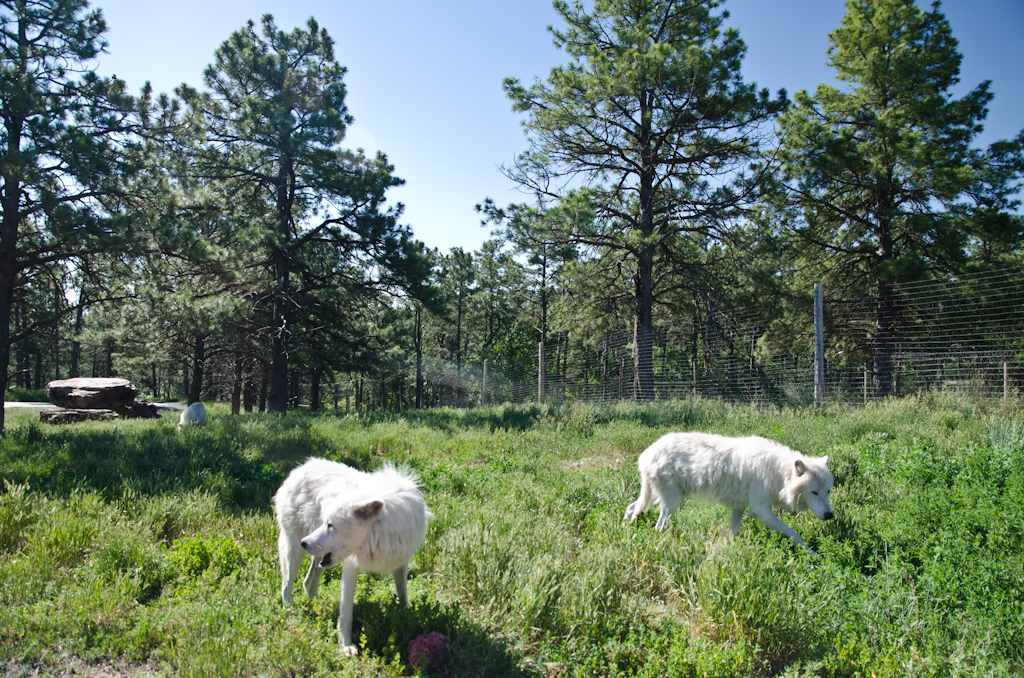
(651, 124)
(273, 122)
(61, 148)
(878, 165)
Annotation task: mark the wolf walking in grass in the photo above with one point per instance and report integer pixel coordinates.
(740, 473)
(366, 521)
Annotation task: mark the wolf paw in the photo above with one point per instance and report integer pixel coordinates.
(349, 650)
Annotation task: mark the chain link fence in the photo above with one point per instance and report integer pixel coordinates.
(962, 334)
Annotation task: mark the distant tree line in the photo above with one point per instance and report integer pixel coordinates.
(224, 242)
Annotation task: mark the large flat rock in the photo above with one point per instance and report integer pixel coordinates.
(92, 394)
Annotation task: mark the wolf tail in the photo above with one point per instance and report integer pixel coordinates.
(643, 502)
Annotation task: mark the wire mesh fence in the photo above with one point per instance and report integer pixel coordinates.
(963, 334)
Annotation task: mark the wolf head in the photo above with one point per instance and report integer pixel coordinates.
(809, 486)
(344, 530)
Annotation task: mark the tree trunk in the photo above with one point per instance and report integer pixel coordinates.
(643, 278)
(278, 401)
(185, 389)
(419, 357)
(236, 387)
(6, 296)
(884, 335)
(249, 388)
(195, 390)
(885, 318)
(108, 347)
(643, 329)
(314, 391)
(11, 219)
(76, 345)
(264, 386)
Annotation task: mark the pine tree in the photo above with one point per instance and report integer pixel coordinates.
(878, 165)
(61, 147)
(273, 123)
(650, 124)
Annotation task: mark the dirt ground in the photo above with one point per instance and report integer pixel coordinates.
(81, 669)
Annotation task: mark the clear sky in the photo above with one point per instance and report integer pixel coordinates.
(424, 78)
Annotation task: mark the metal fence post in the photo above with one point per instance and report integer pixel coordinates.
(540, 373)
(819, 344)
(483, 387)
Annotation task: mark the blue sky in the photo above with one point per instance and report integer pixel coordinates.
(424, 79)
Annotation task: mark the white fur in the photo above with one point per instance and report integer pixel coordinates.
(367, 521)
(737, 472)
(193, 415)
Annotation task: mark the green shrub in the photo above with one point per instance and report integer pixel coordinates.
(17, 512)
(27, 395)
(215, 557)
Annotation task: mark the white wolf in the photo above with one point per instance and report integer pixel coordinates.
(193, 415)
(738, 472)
(367, 521)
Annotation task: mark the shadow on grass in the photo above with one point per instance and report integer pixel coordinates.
(385, 629)
(242, 461)
(523, 417)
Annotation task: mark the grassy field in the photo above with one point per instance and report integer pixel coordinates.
(130, 545)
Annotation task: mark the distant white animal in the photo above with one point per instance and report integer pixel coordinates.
(737, 472)
(193, 415)
(367, 521)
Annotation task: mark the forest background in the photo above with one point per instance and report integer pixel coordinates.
(222, 242)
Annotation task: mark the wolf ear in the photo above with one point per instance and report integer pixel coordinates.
(370, 510)
(824, 460)
(799, 466)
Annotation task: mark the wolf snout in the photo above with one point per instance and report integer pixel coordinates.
(304, 544)
(828, 515)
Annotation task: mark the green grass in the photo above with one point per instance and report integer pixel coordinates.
(129, 543)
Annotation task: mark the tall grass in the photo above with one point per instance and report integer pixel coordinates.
(129, 542)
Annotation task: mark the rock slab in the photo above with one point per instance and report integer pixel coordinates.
(91, 394)
(71, 416)
(116, 395)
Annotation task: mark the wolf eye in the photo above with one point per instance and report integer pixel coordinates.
(814, 493)
(330, 526)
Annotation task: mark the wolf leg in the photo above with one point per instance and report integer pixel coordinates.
(401, 587)
(289, 553)
(671, 498)
(349, 574)
(735, 519)
(768, 518)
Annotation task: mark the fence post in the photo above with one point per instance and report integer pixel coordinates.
(1006, 381)
(483, 388)
(819, 344)
(540, 373)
